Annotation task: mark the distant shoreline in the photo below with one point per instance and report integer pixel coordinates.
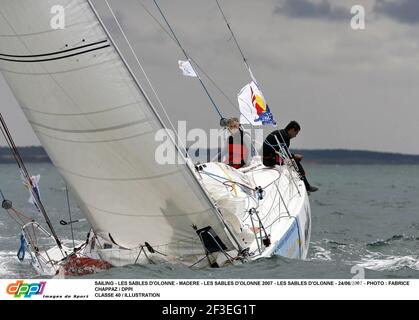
(28, 154)
(329, 156)
(342, 156)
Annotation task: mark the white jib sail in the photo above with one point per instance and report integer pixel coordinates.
(98, 128)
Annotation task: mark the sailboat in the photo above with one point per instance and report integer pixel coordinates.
(90, 111)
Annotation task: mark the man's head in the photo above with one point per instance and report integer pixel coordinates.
(292, 129)
(233, 125)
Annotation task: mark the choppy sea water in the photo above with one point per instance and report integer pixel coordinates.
(365, 222)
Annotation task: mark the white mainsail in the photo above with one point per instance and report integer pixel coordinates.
(98, 128)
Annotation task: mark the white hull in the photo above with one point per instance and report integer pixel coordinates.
(284, 212)
(287, 220)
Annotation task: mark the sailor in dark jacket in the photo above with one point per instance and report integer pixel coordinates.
(272, 152)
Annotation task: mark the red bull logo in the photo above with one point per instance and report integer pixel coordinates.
(20, 289)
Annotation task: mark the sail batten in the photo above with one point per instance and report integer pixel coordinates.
(158, 176)
(74, 103)
(93, 141)
(95, 130)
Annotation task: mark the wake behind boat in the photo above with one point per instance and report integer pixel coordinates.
(98, 126)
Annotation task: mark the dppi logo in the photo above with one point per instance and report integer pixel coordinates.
(27, 290)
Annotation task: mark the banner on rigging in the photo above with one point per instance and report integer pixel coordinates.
(253, 107)
(187, 69)
(35, 183)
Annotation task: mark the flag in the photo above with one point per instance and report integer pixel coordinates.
(187, 69)
(253, 107)
(35, 183)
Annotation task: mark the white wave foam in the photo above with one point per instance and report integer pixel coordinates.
(322, 254)
(6, 257)
(10, 266)
(7, 253)
(380, 262)
(3, 268)
(69, 242)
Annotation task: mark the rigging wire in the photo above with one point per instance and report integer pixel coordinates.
(216, 86)
(173, 37)
(190, 57)
(237, 43)
(240, 50)
(136, 58)
(2, 196)
(244, 59)
(69, 214)
(144, 73)
(187, 57)
(13, 148)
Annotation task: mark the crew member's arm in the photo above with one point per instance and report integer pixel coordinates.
(280, 142)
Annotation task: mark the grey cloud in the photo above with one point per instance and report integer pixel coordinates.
(309, 9)
(405, 11)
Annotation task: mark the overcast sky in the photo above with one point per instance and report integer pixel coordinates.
(348, 89)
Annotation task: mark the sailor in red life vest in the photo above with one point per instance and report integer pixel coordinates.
(239, 145)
